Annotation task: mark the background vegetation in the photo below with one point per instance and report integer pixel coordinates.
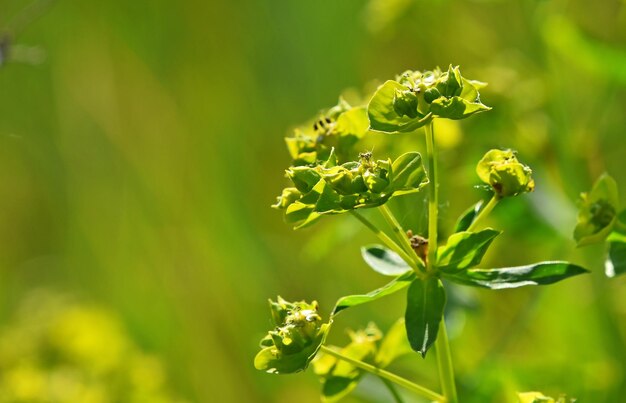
(139, 159)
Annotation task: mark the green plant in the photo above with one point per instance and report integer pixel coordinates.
(599, 221)
(328, 178)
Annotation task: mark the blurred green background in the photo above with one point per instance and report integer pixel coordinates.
(138, 161)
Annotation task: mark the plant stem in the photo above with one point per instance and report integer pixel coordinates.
(620, 225)
(444, 360)
(388, 241)
(433, 197)
(392, 389)
(401, 235)
(484, 212)
(420, 390)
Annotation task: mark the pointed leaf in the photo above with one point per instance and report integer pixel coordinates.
(384, 261)
(464, 250)
(512, 277)
(396, 285)
(468, 217)
(426, 300)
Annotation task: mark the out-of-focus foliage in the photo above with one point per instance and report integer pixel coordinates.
(598, 212)
(58, 350)
(138, 158)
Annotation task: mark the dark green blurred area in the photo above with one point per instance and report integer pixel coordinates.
(139, 159)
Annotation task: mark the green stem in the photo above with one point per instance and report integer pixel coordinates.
(387, 241)
(484, 212)
(392, 389)
(401, 235)
(433, 197)
(444, 360)
(620, 225)
(405, 383)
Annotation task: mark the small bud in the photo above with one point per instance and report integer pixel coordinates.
(504, 173)
(405, 103)
(431, 94)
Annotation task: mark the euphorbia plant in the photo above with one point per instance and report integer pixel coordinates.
(329, 179)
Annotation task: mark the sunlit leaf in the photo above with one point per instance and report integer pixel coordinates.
(394, 286)
(513, 277)
(426, 300)
(384, 261)
(464, 250)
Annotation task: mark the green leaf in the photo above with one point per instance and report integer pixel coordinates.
(408, 172)
(542, 273)
(467, 218)
(597, 213)
(384, 261)
(464, 250)
(616, 262)
(426, 300)
(395, 344)
(395, 285)
(384, 117)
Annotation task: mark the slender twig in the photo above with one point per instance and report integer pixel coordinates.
(405, 383)
(433, 197)
(400, 234)
(388, 241)
(484, 212)
(444, 359)
(392, 389)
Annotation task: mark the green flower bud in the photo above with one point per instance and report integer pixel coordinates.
(431, 94)
(294, 342)
(405, 103)
(450, 84)
(501, 170)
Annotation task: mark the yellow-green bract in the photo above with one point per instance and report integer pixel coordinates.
(298, 334)
(414, 98)
(334, 189)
